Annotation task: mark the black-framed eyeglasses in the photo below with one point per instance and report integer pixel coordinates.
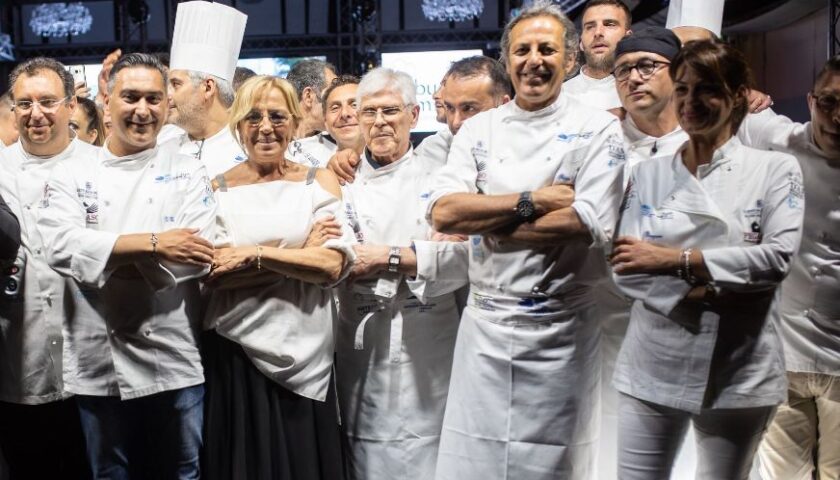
(275, 117)
(828, 103)
(645, 67)
(47, 105)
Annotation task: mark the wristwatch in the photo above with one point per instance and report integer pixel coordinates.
(394, 259)
(525, 209)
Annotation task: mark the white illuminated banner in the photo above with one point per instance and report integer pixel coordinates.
(427, 69)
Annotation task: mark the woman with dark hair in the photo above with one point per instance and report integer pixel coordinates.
(705, 238)
(87, 122)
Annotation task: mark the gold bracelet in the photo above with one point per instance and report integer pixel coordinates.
(259, 257)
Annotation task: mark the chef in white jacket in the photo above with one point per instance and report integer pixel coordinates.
(524, 390)
(705, 238)
(131, 228)
(804, 438)
(205, 47)
(398, 312)
(33, 306)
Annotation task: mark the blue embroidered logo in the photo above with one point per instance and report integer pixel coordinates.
(647, 210)
(648, 236)
(239, 158)
(569, 137)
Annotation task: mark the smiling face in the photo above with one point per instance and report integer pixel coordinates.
(825, 120)
(340, 116)
(137, 106)
(467, 96)
(703, 107)
(602, 27)
(386, 125)
(537, 62)
(266, 130)
(43, 131)
(640, 94)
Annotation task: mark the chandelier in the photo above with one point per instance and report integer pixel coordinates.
(452, 10)
(60, 19)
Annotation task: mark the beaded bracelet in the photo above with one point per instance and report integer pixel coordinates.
(259, 257)
(154, 240)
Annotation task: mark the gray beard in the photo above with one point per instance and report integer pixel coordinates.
(604, 63)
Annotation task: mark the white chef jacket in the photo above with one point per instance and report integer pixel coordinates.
(32, 308)
(169, 132)
(285, 327)
(597, 93)
(396, 334)
(509, 150)
(436, 146)
(810, 304)
(312, 151)
(527, 332)
(744, 210)
(219, 153)
(128, 335)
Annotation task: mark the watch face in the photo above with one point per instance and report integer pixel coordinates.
(525, 209)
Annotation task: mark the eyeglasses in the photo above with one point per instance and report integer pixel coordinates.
(368, 115)
(645, 67)
(276, 118)
(49, 105)
(827, 103)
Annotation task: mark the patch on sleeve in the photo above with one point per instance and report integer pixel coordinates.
(796, 193)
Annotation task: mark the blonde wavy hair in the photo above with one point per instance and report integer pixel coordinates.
(252, 91)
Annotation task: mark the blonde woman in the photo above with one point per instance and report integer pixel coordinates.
(268, 355)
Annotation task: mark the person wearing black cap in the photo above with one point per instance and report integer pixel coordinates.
(650, 129)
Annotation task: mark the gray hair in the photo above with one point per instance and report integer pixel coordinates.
(31, 67)
(309, 73)
(224, 88)
(384, 79)
(136, 60)
(542, 8)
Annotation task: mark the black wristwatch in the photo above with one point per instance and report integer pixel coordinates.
(525, 209)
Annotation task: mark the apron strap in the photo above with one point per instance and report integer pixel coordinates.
(394, 341)
(310, 175)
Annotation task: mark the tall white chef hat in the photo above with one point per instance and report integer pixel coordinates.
(207, 38)
(696, 13)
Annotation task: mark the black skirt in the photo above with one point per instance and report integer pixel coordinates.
(254, 429)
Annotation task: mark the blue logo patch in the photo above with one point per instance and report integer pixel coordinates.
(569, 137)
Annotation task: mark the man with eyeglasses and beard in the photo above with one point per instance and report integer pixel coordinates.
(40, 433)
(804, 439)
(130, 228)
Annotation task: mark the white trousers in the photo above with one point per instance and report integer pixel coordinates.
(650, 436)
(805, 433)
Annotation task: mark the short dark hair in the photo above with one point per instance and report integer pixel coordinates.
(479, 65)
(240, 75)
(339, 81)
(832, 65)
(31, 67)
(136, 60)
(612, 3)
(719, 64)
(309, 73)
